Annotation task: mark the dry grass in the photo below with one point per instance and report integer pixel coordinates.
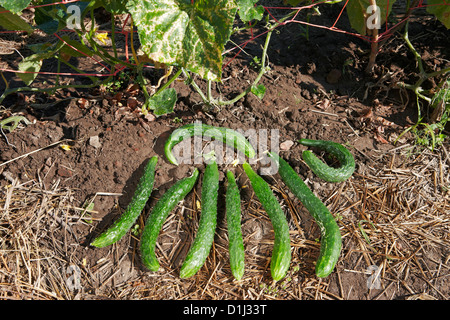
(393, 214)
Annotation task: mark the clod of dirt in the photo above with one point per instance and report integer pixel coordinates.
(334, 76)
(94, 141)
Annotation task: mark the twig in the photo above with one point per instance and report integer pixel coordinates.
(34, 151)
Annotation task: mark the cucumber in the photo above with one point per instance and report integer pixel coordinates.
(226, 135)
(331, 242)
(281, 255)
(135, 207)
(321, 169)
(158, 216)
(233, 214)
(203, 241)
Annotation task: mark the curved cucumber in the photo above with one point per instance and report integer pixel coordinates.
(322, 170)
(281, 255)
(331, 241)
(233, 213)
(203, 241)
(135, 207)
(226, 135)
(158, 216)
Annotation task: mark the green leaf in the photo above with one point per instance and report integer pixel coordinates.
(248, 11)
(13, 22)
(113, 6)
(177, 32)
(51, 19)
(46, 18)
(30, 64)
(75, 48)
(15, 6)
(361, 19)
(163, 102)
(440, 10)
(259, 91)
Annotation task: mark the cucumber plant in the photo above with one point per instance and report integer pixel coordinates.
(187, 35)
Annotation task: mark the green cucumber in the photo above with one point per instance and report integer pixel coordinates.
(321, 169)
(158, 216)
(203, 241)
(233, 213)
(281, 254)
(226, 135)
(134, 209)
(331, 241)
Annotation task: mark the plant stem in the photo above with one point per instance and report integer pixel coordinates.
(374, 46)
(167, 84)
(208, 99)
(258, 77)
(191, 81)
(30, 89)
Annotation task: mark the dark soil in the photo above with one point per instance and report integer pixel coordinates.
(316, 89)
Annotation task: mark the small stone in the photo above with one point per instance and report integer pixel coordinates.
(286, 145)
(94, 141)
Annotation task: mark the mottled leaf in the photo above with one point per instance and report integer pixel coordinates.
(15, 6)
(186, 34)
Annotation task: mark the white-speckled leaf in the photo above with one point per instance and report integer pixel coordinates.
(177, 32)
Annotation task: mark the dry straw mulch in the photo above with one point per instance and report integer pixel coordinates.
(393, 214)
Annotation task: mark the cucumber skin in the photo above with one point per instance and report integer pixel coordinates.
(233, 214)
(227, 136)
(158, 216)
(281, 254)
(331, 241)
(203, 241)
(134, 208)
(321, 169)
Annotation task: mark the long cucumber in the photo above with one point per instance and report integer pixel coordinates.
(281, 254)
(135, 207)
(204, 239)
(226, 135)
(321, 169)
(233, 214)
(331, 241)
(158, 216)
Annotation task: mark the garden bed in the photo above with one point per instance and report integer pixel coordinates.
(393, 212)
